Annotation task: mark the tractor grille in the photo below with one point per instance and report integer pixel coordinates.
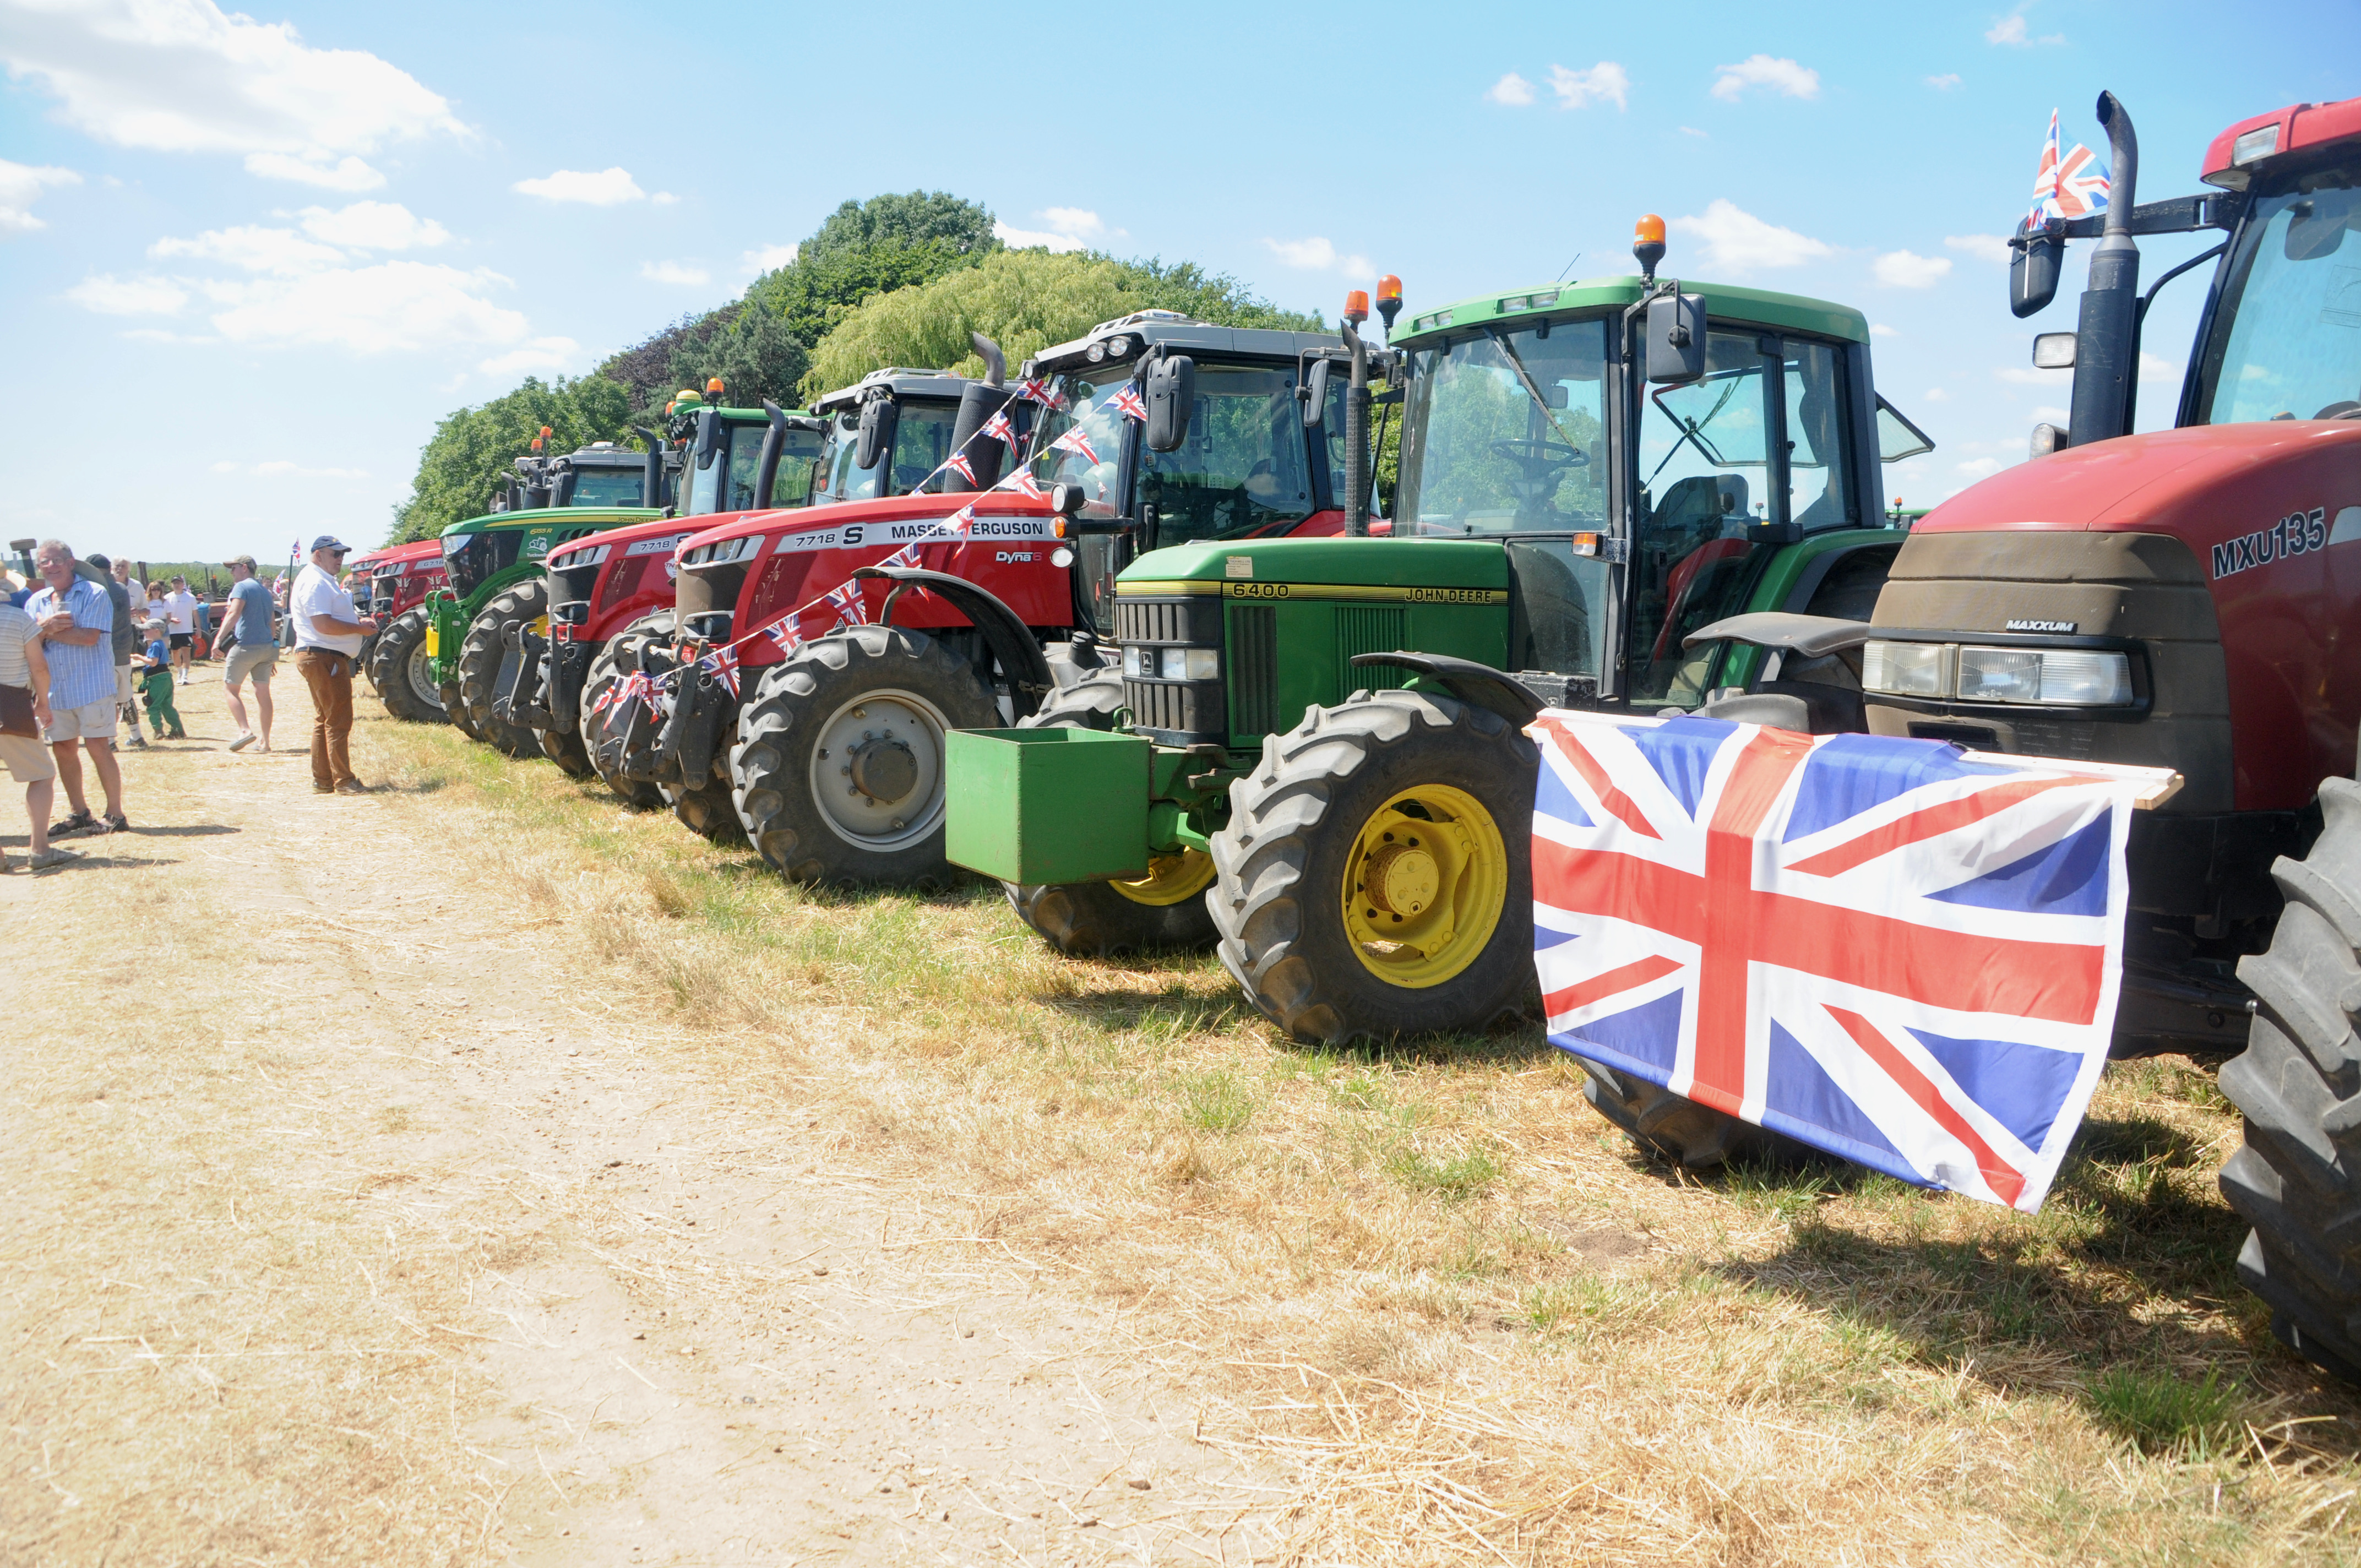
(1254, 668)
(1193, 621)
(1176, 713)
(1365, 629)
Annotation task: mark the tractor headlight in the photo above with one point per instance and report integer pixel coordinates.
(1907, 669)
(2000, 675)
(1171, 663)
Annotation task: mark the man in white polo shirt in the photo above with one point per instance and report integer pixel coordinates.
(329, 631)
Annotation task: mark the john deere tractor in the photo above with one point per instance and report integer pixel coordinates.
(1313, 750)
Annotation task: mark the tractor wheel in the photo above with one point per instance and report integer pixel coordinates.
(2298, 1179)
(619, 658)
(1679, 1129)
(839, 764)
(565, 749)
(710, 810)
(486, 660)
(407, 686)
(1164, 909)
(1374, 877)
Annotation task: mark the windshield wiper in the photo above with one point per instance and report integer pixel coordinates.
(1693, 432)
(1517, 365)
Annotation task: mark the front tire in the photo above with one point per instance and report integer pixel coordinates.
(1166, 909)
(406, 683)
(486, 660)
(838, 769)
(1374, 878)
(604, 747)
(2298, 1179)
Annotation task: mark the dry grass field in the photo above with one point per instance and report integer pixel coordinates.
(342, 1128)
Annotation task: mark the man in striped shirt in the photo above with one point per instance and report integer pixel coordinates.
(77, 625)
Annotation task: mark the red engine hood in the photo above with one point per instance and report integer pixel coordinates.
(895, 509)
(638, 533)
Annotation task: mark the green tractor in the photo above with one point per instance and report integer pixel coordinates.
(1313, 752)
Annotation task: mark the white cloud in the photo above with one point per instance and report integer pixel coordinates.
(2049, 413)
(607, 188)
(373, 225)
(663, 198)
(1907, 269)
(1512, 90)
(182, 76)
(1605, 82)
(1693, 131)
(2156, 368)
(224, 468)
(766, 258)
(2010, 31)
(1070, 228)
(2026, 376)
(1978, 467)
(1935, 395)
(1780, 75)
(551, 353)
(1989, 248)
(1736, 241)
(256, 249)
(20, 183)
(1879, 329)
(1944, 82)
(1317, 255)
(674, 272)
(369, 309)
(111, 296)
(280, 468)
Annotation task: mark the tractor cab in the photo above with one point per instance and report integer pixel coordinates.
(720, 454)
(886, 434)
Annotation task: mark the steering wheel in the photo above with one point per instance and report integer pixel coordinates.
(1540, 458)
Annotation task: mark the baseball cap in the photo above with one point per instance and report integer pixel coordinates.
(330, 541)
(245, 561)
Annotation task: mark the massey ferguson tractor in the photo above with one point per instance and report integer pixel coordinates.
(401, 579)
(1153, 428)
(613, 615)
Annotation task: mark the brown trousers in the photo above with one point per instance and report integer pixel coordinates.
(330, 676)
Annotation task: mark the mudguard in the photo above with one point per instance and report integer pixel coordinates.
(1014, 647)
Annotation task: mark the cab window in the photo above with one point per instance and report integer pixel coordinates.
(1243, 467)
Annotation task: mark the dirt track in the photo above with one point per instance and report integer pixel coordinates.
(351, 1221)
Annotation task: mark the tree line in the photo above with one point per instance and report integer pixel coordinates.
(897, 280)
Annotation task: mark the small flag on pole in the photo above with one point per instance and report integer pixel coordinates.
(2073, 186)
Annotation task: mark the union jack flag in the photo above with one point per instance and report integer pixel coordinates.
(960, 524)
(845, 600)
(1128, 402)
(1076, 442)
(786, 632)
(1004, 429)
(1870, 944)
(908, 554)
(722, 665)
(1023, 482)
(1042, 393)
(957, 464)
(2070, 186)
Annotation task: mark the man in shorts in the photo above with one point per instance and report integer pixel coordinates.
(246, 621)
(25, 705)
(182, 604)
(77, 625)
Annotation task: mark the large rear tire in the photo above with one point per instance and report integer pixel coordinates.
(1374, 878)
(838, 769)
(619, 658)
(2298, 1179)
(407, 686)
(1678, 1129)
(1166, 909)
(486, 660)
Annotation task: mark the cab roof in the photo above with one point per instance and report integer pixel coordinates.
(1173, 330)
(1591, 295)
(907, 384)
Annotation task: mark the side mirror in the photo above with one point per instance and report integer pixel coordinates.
(708, 438)
(1676, 338)
(2053, 351)
(1315, 393)
(1171, 400)
(878, 418)
(2035, 257)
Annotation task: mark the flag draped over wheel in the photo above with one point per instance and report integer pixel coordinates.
(1870, 944)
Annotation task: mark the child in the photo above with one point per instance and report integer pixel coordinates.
(155, 677)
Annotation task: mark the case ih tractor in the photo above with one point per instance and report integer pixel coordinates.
(401, 580)
(1311, 749)
(2191, 599)
(836, 772)
(609, 595)
(911, 413)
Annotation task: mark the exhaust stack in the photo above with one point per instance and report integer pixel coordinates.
(2106, 334)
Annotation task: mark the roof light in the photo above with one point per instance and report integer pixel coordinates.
(1389, 288)
(1356, 305)
(713, 387)
(1095, 353)
(1649, 230)
(2260, 142)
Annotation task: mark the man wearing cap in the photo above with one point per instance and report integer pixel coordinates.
(329, 632)
(246, 620)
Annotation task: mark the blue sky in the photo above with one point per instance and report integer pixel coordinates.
(267, 252)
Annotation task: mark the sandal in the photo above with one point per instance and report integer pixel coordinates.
(53, 856)
(117, 823)
(80, 822)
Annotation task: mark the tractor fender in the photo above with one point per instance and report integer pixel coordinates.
(1014, 647)
(1479, 685)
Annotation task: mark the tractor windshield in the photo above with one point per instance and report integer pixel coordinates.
(1081, 442)
(922, 439)
(2286, 336)
(1505, 433)
(727, 483)
(610, 485)
(1243, 467)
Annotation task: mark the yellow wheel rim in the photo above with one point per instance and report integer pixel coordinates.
(538, 626)
(1170, 879)
(1424, 885)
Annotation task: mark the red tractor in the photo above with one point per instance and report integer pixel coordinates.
(2182, 599)
(400, 578)
(1151, 430)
